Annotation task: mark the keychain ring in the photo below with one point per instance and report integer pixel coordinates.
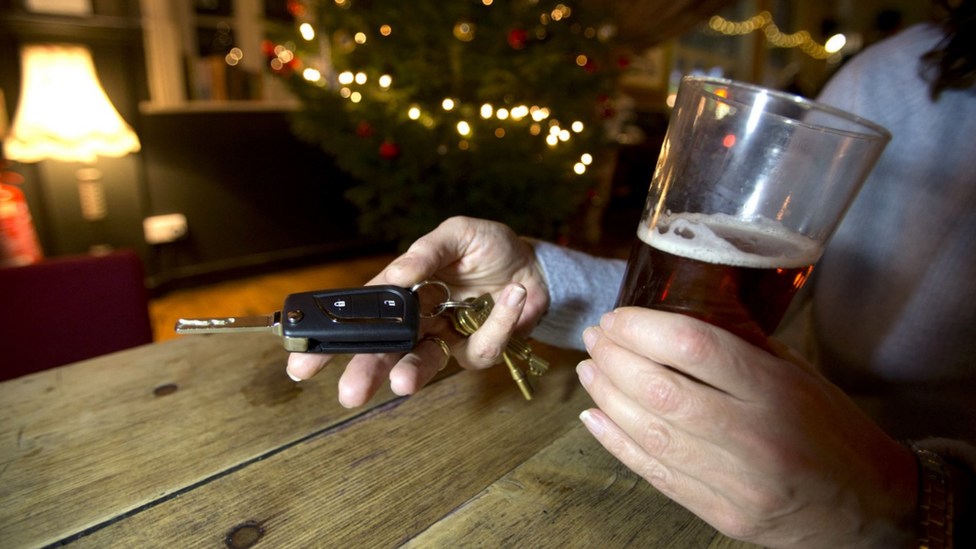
(444, 305)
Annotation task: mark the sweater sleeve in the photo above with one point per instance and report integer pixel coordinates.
(581, 289)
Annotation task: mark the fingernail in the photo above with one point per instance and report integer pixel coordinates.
(585, 373)
(607, 321)
(293, 378)
(589, 338)
(591, 422)
(516, 296)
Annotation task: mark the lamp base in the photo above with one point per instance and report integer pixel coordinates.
(94, 204)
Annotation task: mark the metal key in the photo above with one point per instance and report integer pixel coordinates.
(468, 320)
(368, 319)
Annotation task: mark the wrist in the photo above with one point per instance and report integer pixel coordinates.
(936, 506)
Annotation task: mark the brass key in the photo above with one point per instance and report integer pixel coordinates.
(468, 320)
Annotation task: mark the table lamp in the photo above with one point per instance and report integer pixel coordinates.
(64, 114)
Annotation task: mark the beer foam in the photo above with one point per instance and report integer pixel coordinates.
(723, 239)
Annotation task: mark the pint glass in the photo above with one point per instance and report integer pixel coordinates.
(749, 186)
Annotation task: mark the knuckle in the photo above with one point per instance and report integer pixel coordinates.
(656, 438)
(694, 341)
(658, 475)
(659, 394)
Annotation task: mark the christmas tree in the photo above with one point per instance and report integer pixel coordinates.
(488, 108)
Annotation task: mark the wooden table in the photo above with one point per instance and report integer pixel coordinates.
(204, 442)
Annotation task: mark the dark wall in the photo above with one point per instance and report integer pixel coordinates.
(251, 192)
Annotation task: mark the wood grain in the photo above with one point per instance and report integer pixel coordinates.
(82, 444)
(572, 494)
(377, 481)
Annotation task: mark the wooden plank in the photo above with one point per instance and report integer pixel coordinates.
(572, 494)
(82, 444)
(377, 481)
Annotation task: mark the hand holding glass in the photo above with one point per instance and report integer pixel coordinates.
(749, 186)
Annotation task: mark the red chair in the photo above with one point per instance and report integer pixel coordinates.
(67, 309)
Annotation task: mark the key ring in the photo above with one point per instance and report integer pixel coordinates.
(444, 305)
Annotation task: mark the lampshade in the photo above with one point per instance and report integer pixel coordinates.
(63, 112)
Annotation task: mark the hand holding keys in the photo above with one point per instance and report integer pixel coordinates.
(370, 319)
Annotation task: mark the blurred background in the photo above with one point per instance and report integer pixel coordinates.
(225, 139)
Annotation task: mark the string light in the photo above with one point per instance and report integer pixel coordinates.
(360, 38)
(414, 112)
(356, 97)
(361, 78)
(385, 30)
(385, 81)
(448, 104)
(312, 75)
(502, 114)
(307, 31)
(586, 159)
(346, 78)
(577, 126)
(487, 111)
(463, 128)
(579, 168)
(764, 22)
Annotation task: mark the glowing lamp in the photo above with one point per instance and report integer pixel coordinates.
(64, 114)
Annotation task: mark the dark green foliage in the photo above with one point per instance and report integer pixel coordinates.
(412, 174)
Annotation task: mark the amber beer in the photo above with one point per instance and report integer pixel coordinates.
(738, 275)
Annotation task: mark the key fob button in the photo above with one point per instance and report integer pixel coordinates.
(339, 305)
(391, 305)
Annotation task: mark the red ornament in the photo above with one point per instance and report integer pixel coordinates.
(623, 62)
(267, 48)
(389, 151)
(517, 38)
(364, 129)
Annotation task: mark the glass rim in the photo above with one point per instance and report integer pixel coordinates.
(876, 130)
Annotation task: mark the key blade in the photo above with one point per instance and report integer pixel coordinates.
(261, 323)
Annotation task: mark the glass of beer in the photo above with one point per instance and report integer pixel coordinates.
(749, 186)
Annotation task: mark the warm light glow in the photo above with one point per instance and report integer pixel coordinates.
(486, 2)
(552, 140)
(554, 130)
(499, 132)
(356, 97)
(385, 81)
(286, 56)
(586, 159)
(564, 135)
(312, 75)
(63, 112)
(345, 93)
(581, 60)
(487, 111)
(346, 78)
(276, 64)
(502, 114)
(579, 168)
(448, 104)
(414, 113)
(540, 114)
(835, 43)
(385, 30)
(463, 128)
(360, 38)
(361, 78)
(671, 99)
(308, 33)
(463, 145)
(535, 129)
(577, 126)
(520, 112)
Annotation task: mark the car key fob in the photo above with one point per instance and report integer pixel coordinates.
(367, 319)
